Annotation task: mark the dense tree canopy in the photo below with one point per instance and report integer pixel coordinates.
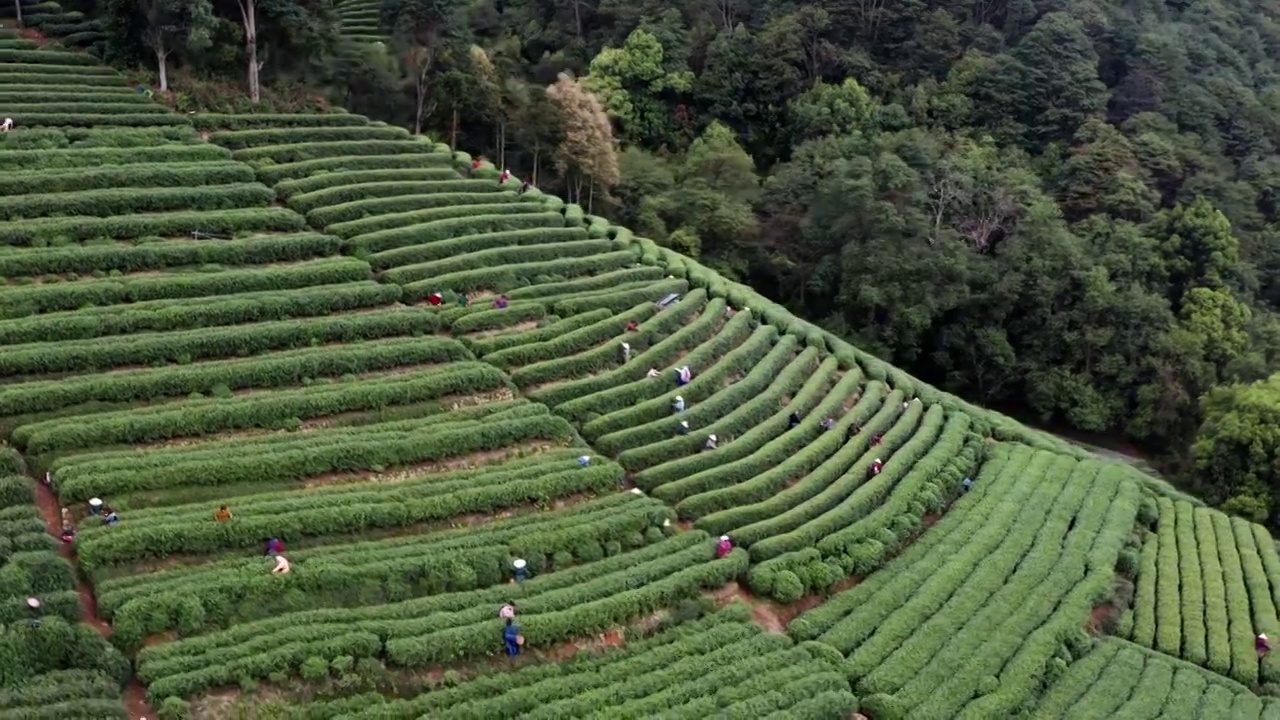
(1067, 209)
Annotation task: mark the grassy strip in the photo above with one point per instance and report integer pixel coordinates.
(543, 251)
(226, 121)
(500, 343)
(272, 371)
(46, 160)
(530, 231)
(274, 174)
(391, 508)
(391, 221)
(503, 278)
(189, 345)
(279, 409)
(741, 432)
(298, 152)
(52, 297)
(187, 313)
(323, 181)
(548, 616)
(374, 207)
(127, 200)
(414, 243)
(241, 139)
(321, 457)
(316, 199)
(160, 175)
(159, 254)
(608, 356)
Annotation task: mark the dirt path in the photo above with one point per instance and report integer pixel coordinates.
(767, 614)
(135, 698)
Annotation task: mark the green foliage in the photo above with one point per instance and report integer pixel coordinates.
(1232, 450)
(945, 209)
(636, 84)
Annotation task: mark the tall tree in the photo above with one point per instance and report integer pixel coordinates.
(425, 32)
(1198, 246)
(831, 110)
(174, 25)
(249, 22)
(638, 90)
(1237, 451)
(1055, 79)
(587, 156)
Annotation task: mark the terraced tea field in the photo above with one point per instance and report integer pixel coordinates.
(414, 375)
(360, 20)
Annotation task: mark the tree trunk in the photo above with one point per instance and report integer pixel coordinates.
(162, 62)
(249, 15)
(17, 6)
(591, 196)
(502, 145)
(537, 157)
(420, 86)
(453, 132)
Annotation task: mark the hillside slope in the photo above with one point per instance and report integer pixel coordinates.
(236, 310)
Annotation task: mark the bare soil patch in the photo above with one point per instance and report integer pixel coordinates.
(1100, 617)
(767, 614)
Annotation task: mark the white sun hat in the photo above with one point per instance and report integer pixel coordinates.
(519, 563)
(724, 537)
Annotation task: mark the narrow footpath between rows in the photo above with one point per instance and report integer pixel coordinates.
(135, 697)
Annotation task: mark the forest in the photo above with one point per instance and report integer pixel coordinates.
(1066, 210)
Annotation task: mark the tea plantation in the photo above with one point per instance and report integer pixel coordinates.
(414, 374)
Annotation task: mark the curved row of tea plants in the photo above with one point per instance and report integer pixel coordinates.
(1120, 680)
(1205, 590)
(256, 322)
(717, 666)
(54, 665)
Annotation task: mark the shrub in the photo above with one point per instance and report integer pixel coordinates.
(174, 708)
(315, 669)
